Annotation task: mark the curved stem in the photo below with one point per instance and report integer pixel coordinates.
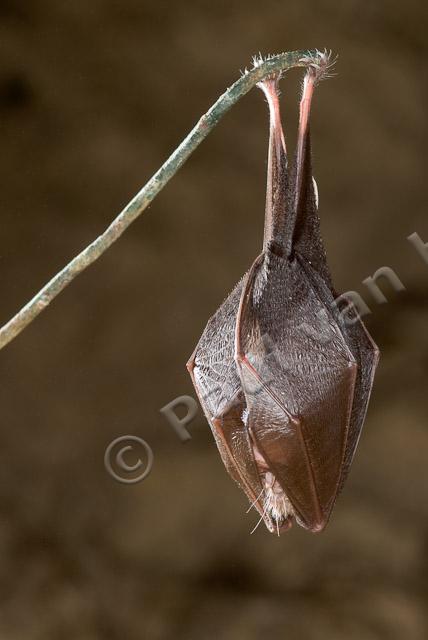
(261, 69)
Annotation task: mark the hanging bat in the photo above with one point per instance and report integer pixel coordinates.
(283, 374)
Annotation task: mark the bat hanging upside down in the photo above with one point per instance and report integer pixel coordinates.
(284, 370)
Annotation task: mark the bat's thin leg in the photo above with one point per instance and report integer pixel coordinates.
(277, 170)
(314, 74)
(303, 234)
(303, 134)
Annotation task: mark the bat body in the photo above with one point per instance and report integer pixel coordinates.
(283, 375)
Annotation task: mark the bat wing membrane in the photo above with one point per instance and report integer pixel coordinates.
(366, 356)
(215, 377)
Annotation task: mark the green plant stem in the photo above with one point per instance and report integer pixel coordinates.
(146, 195)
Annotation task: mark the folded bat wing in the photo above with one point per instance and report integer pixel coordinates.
(298, 376)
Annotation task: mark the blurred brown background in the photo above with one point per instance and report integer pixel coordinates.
(93, 97)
